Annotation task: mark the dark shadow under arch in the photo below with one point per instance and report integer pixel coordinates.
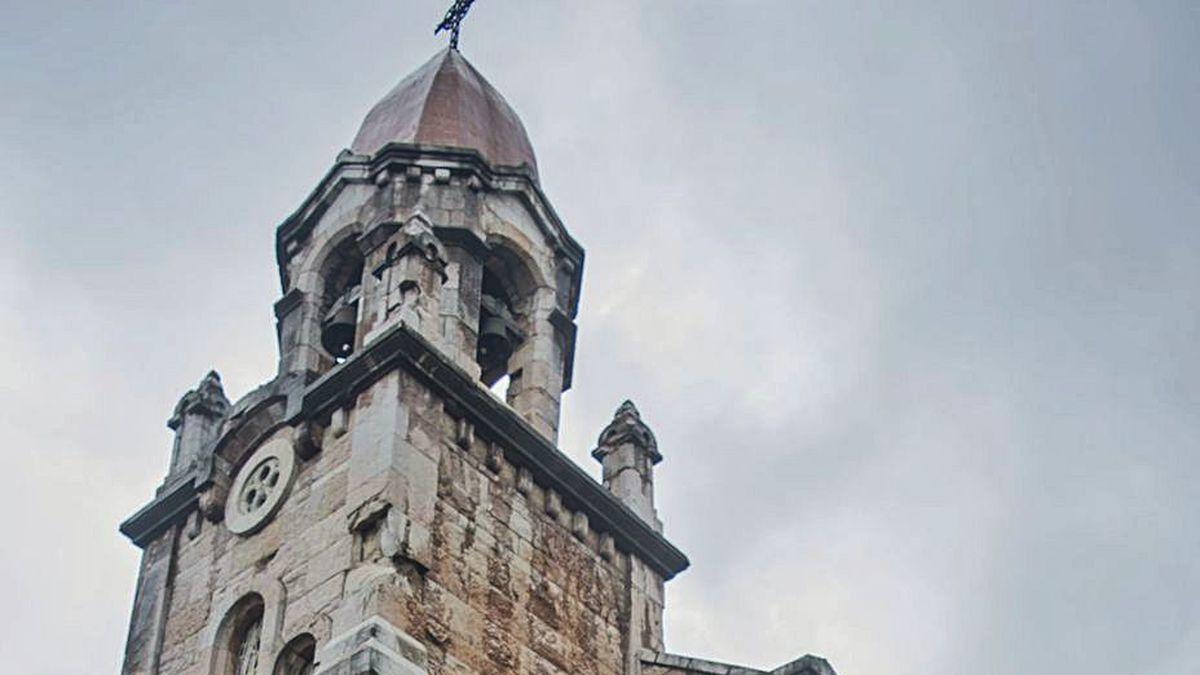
(298, 656)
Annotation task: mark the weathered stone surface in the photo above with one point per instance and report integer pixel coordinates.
(661, 663)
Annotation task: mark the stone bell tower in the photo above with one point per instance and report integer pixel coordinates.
(393, 501)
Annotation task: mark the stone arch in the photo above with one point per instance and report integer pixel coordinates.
(318, 255)
(241, 624)
(331, 281)
(230, 613)
(340, 267)
(509, 286)
(298, 656)
(513, 259)
(258, 424)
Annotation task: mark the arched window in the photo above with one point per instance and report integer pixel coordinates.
(241, 637)
(245, 653)
(297, 657)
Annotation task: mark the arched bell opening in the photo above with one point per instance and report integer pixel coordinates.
(340, 299)
(504, 304)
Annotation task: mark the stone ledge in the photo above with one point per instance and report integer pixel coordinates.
(401, 346)
(166, 508)
(805, 665)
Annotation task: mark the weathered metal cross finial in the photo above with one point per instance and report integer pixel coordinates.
(453, 20)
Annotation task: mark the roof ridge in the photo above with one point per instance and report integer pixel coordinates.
(444, 57)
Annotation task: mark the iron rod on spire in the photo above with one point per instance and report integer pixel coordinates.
(453, 20)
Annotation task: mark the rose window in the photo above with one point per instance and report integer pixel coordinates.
(263, 480)
(260, 487)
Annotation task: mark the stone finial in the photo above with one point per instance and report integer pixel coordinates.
(627, 427)
(627, 452)
(196, 421)
(208, 398)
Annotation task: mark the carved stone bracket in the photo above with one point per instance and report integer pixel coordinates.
(212, 501)
(308, 440)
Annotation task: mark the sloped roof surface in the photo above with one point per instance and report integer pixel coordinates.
(447, 102)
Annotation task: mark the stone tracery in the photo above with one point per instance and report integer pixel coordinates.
(246, 657)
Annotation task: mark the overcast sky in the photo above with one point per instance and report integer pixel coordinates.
(910, 296)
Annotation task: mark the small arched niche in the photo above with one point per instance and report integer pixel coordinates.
(239, 640)
(298, 656)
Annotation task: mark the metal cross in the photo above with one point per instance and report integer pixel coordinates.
(453, 20)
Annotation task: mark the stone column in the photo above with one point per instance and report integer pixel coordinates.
(537, 369)
(298, 329)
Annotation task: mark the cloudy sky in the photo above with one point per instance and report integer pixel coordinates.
(910, 296)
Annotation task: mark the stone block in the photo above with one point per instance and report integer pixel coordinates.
(374, 647)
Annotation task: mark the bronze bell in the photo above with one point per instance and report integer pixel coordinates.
(337, 332)
(494, 344)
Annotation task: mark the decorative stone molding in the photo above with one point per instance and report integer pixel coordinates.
(260, 486)
(212, 502)
(464, 433)
(494, 459)
(308, 440)
(608, 549)
(553, 504)
(579, 525)
(524, 481)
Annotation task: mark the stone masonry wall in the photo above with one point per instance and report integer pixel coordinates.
(492, 573)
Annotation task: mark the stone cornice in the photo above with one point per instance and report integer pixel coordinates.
(169, 506)
(362, 169)
(401, 346)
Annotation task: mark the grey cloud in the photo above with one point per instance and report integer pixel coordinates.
(908, 294)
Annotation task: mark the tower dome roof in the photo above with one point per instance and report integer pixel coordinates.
(447, 102)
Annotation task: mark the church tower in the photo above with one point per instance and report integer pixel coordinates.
(393, 501)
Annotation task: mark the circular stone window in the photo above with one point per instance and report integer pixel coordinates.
(260, 487)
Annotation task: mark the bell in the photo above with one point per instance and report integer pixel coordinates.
(494, 345)
(337, 333)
